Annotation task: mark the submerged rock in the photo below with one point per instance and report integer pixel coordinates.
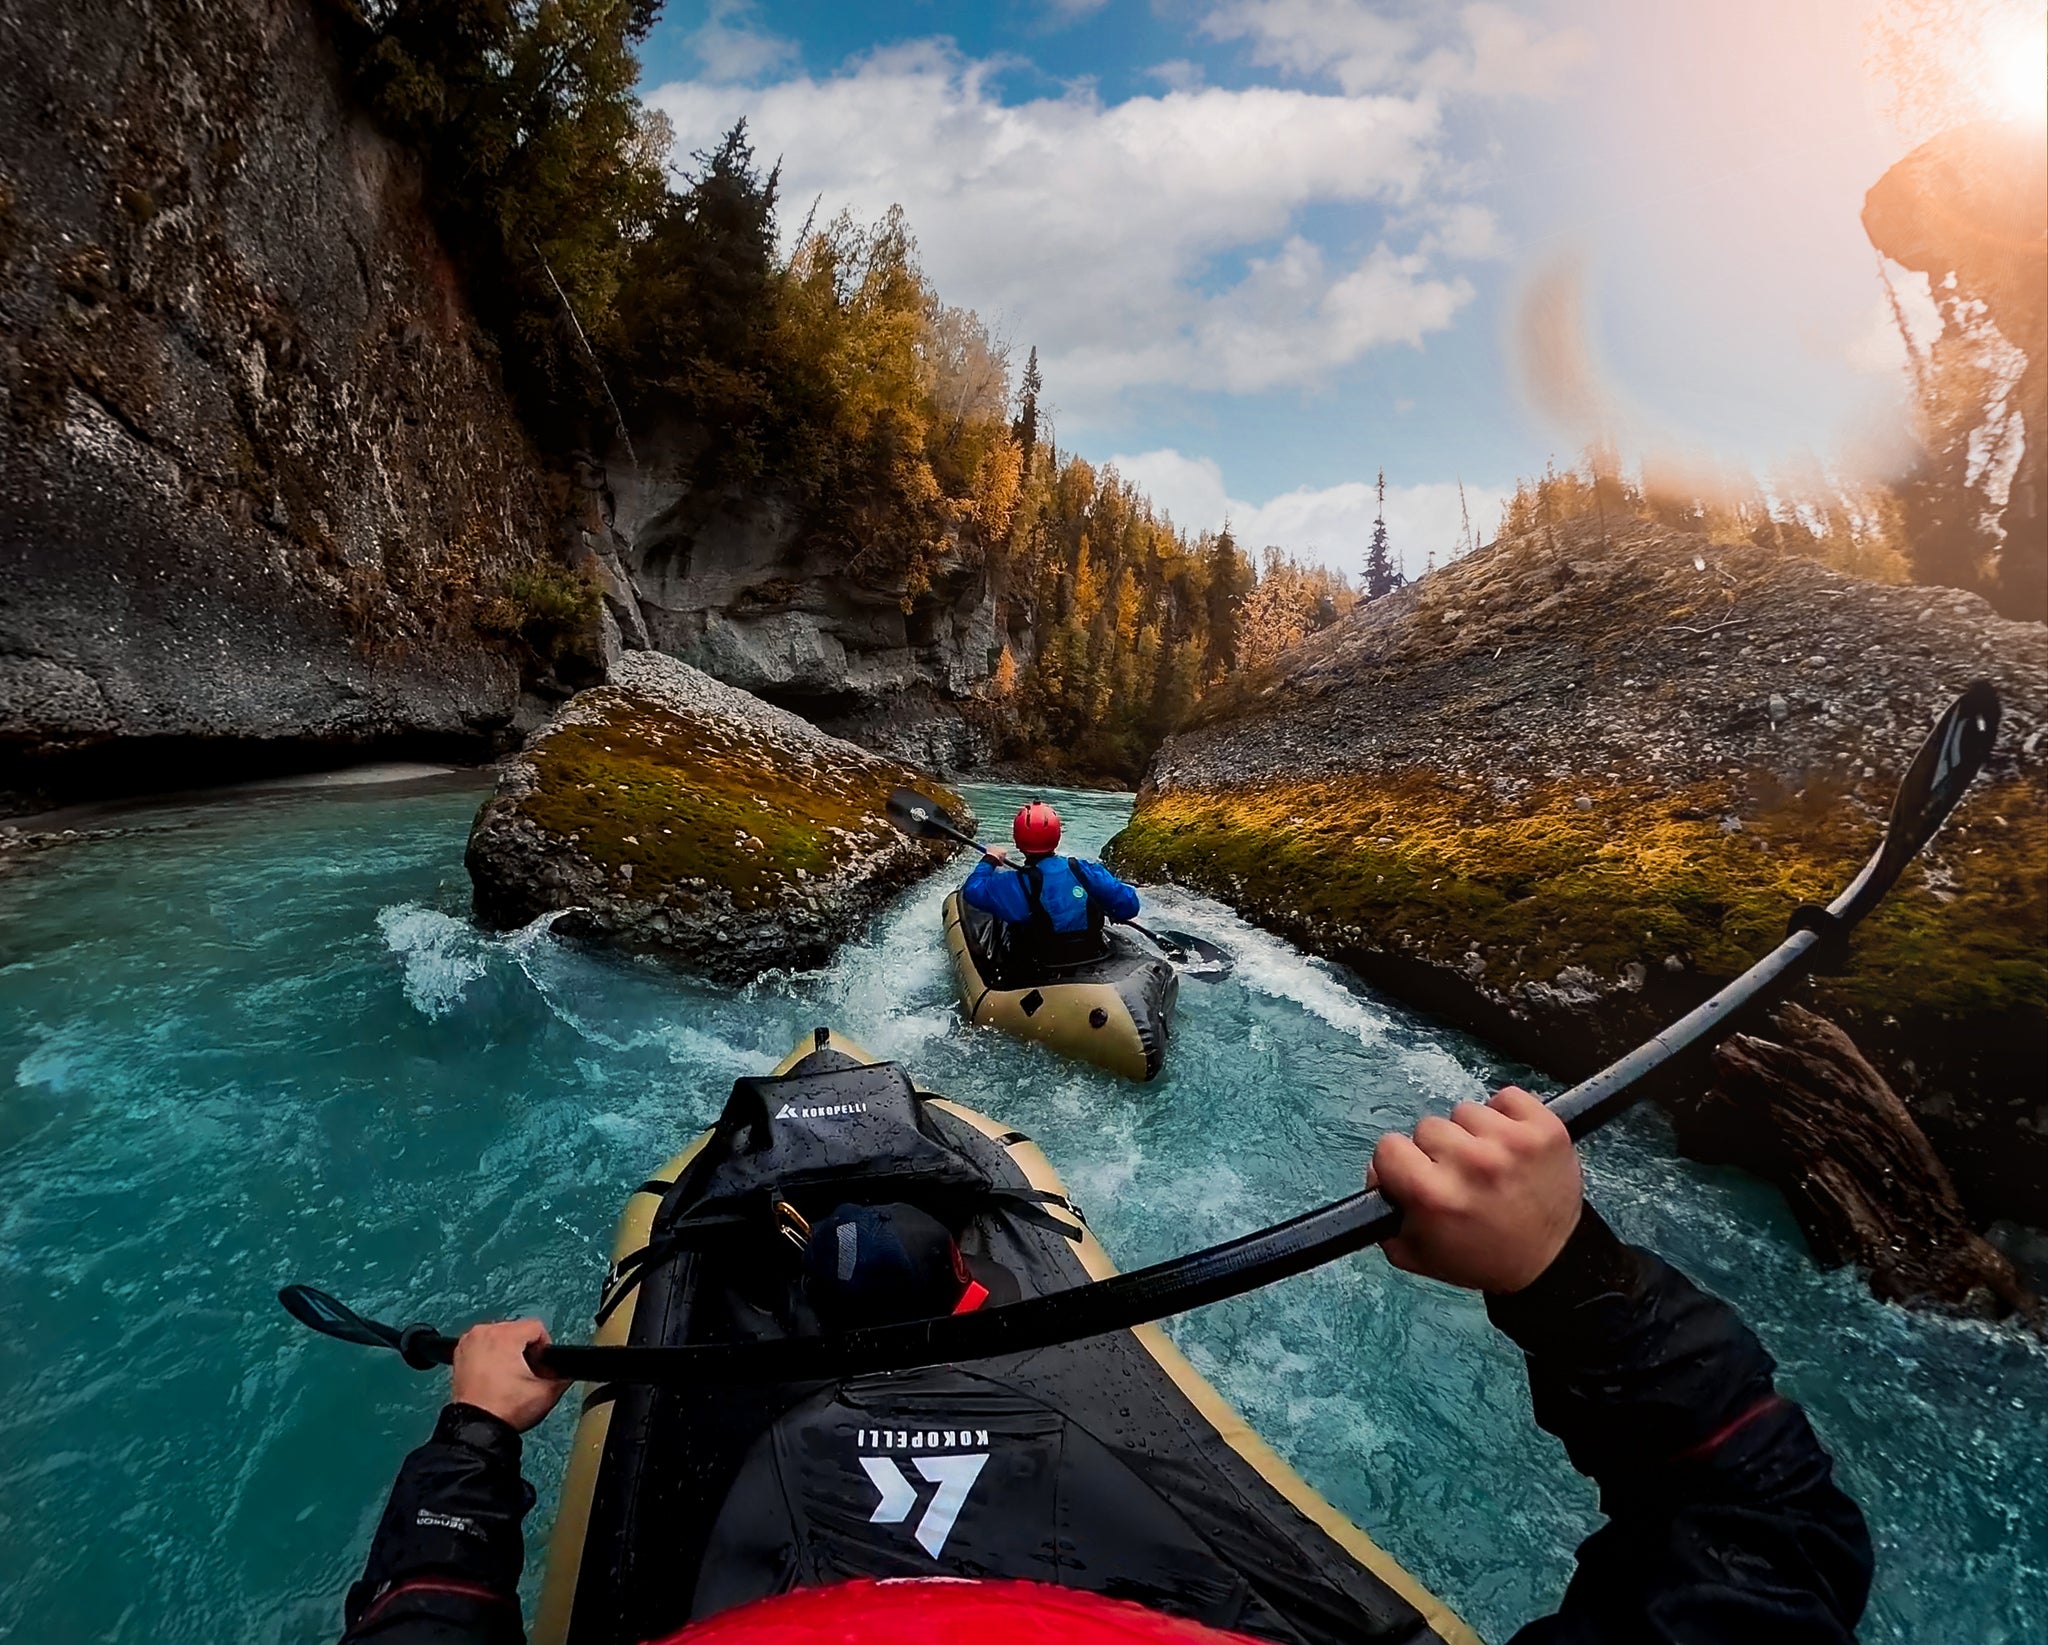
(670, 814)
(1401, 793)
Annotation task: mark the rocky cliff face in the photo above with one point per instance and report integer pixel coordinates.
(670, 814)
(1562, 790)
(258, 478)
(725, 584)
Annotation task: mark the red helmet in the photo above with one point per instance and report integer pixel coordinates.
(1037, 829)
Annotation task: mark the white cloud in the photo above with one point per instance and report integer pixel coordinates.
(1332, 524)
(731, 48)
(1098, 231)
(1494, 51)
(1360, 48)
(1179, 74)
(1505, 55)
(1463, 230)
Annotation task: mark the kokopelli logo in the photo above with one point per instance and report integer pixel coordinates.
(953, 1475)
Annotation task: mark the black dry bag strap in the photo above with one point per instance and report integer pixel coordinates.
(1032, 1205)
(1096, 912)
(625, 1275)
(1038, 922)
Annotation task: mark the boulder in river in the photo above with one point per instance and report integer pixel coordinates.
(670, 814)
(1560, 791)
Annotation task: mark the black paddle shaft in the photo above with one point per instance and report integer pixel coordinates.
(1947, 762)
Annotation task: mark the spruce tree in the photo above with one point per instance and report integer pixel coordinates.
(1380, 575)
(1025, 428)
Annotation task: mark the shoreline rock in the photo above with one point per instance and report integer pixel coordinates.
(1546, 795)
(666, 813)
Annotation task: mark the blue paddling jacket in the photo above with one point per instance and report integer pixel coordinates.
(1072, 894)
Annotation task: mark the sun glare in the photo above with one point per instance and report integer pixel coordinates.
(2017, 76)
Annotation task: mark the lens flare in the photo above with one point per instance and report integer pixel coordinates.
(2016, 77)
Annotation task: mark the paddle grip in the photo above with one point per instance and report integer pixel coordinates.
(422, 1347)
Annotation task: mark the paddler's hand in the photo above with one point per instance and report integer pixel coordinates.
(1488, 1197)
(997, 855)
(491, 1373)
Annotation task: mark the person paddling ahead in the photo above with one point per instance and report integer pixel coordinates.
(1724, 1521)
(1052, 907)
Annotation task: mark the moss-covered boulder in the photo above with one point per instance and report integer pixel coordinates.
(671, 814)
(1560, 791)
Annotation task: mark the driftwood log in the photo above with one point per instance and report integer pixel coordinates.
(1805, 1111)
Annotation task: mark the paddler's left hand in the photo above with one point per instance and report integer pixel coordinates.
(491, 1373)
(1488, 1197)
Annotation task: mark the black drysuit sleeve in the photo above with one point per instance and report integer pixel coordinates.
(444, 1568)
(1724, 1520)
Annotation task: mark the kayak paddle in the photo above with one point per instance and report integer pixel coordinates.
(418, 1345)
(923, 818)
(1947, 762)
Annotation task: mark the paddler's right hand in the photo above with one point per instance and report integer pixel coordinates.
(1488, 1197)
(491, 1373)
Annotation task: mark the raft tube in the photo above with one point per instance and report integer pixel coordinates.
(1105, 1466)
(1116, 1012)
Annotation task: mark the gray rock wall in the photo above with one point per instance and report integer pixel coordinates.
(258, 475)
(726, 586)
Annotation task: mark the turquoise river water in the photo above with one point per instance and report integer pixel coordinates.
(258, 1042)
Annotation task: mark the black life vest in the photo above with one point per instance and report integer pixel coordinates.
(1042, 940)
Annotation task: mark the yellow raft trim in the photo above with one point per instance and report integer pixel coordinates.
(1221, 1415)
(586, 1450)
(1062, 1022)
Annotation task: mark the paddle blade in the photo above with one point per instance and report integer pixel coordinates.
(1197, 957)
(1953, 754)
(334, 1319)
(923, 818)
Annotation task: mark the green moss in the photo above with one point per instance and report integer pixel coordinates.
(680, 799)
(1539, 884)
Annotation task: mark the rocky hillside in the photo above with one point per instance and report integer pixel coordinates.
(1561, 790)
(674, 815)
(259, 483)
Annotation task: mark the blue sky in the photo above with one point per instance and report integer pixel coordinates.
(1267, 247)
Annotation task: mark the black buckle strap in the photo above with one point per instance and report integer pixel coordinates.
(626, 1275)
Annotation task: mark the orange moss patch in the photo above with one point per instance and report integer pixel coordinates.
(679, 799)
(1537, 884)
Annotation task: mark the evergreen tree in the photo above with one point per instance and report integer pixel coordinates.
(1231, 576)
(1025, 428)
(696, 319)
(543, 167)
(1380, 576)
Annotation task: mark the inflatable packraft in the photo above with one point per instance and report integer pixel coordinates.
(1116, 1011)
(1106, 1466)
